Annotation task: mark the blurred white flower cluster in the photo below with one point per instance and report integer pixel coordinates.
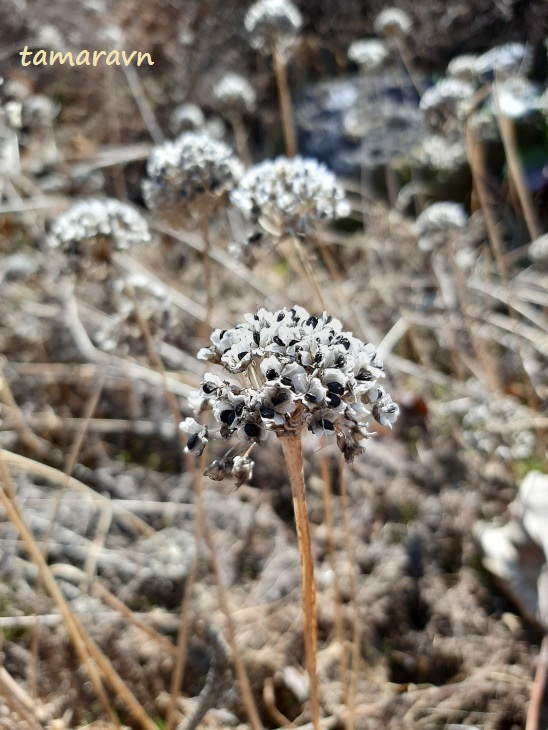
(287, 197)
(436, 221)
(96, 228)
(483, 427)
(270, 23)
(234, 94)
(121, 332)
(369, 53)
(293, 371)
(393, 22)
(193, 168)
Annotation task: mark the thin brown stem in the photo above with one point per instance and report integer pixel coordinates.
(284, 97)
(509, 142)
(292, 450)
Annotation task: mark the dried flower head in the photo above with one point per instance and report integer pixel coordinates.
(507, 59)
(270, 23)
(515, 97)
(440, 153)
(186, 118)
(447, 100)
(464, 67)
(96, 228)
(369, 53)
(121, 332)
(234, 93)
(292, 371)
(434, 223)
(195, 168)
(288, 197)
(481, 424)
(393, 22)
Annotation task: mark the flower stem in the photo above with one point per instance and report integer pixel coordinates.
(284, 99)
(292, 450)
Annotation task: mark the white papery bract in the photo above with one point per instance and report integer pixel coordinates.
(293, 371)
(193, 168)
(288, 197)
(234, 93)
(273, 22)
(368, 53)
(98, 227)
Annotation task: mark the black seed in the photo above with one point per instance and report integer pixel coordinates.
(251, 430)
(364, 375)
(223, 333)
(256, 338)
(328, 319)
(266, 412)
(333, 400)
(312, 321)
(254, 238)
(293, 342)
(344, 342)
(310, 397)
(340, 362)
(280, 398)
(280, 316)
(239, 409)
(335, 387)
(279, 341)
(327, 425)
(214, 183)
(286, 381)
(241, 355)
(227, 417)
(256, 316)
(318, 357)
(271, 374)
(192, 441)
(209, 388)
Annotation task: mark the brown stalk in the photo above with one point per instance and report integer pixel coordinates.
(284, 98)
(292, 450)
(509, 142)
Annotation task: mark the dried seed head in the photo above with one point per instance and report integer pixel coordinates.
(294, 371)
(121, 332)
(193, 169)
(393, 22)
(369, 54)
(233, 93)
(448, 99)
(436, 221)
(96, 228)
(273, 22)
(186, 118)
(464, 67)
(288, 197)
